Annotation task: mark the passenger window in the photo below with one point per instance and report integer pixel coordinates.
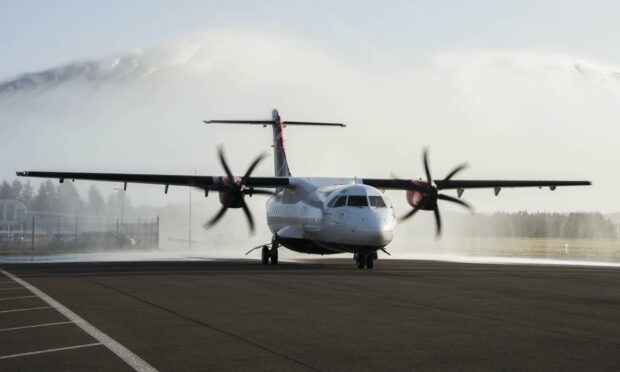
(376, 201)
(340, 202)
(357, 201)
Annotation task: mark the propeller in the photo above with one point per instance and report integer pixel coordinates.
(432, 195)
(236, 190)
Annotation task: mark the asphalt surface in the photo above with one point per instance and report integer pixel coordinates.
(319, 315)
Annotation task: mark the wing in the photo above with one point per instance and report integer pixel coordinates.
(204, 182)
(403, 184)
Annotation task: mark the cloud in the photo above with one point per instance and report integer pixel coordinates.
(509, 113)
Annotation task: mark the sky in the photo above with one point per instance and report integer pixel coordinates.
(522, 90)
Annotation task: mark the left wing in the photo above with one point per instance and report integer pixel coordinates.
(204, 182)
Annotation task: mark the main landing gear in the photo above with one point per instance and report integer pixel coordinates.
(366, 259)
(270, 254)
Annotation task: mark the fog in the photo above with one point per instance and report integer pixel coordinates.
(511, 114)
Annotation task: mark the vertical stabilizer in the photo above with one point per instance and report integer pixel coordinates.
(279, 155)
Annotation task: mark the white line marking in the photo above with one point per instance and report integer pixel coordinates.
(121, 351)
(15, 298)
(48, 351)
(6, 281)
(11, 289)
(35, 326)
(26, 309)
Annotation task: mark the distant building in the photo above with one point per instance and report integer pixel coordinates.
(12, 214)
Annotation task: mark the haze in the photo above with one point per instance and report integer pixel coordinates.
(525, 91)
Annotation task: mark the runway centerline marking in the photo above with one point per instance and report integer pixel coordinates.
(35, 326)
(15, 298)
(49, 350)
(25, 309)
(121, 351)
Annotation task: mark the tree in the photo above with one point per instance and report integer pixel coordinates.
(27, 194)
(68, 200)
(45, 198)
(16, 189)
(5, 191)
(96, 204)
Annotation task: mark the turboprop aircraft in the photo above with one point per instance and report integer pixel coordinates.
(317, 215)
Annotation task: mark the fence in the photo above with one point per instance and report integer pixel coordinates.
(80, 234)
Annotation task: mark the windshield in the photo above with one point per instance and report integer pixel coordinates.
(338, 202)
(376, 201)
(357, 201)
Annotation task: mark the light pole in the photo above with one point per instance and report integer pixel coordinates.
(189, 242)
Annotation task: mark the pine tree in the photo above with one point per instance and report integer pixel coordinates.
(96, 203)
(68, 199)
(6, 191)
(27, 194)
(45, 199)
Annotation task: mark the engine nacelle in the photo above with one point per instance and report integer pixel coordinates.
(414, 198)
(231, 198)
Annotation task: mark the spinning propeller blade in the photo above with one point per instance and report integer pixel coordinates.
(432, 195)
(236, 190)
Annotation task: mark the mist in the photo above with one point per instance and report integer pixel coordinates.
(511, 114)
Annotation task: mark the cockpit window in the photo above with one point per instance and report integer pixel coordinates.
(339, 201)
(376, 201)
(357, 201)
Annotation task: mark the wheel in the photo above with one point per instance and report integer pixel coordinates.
(274, 255)
(265, 255)
(361, 260)
(369, 261)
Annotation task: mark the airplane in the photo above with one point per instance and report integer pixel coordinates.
(317, 215)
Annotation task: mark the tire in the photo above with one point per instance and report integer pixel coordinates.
(274, 256)
(265, 255)
(369, 261)
(361, 260)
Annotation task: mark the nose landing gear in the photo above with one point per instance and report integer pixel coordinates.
(365, 259)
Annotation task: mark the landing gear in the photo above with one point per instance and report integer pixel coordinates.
(361, 260)
(265, 255)
(365, 259)
(274, 255)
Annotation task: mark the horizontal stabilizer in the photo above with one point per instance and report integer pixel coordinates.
(271, 122)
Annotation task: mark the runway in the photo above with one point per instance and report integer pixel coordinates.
(322, 315)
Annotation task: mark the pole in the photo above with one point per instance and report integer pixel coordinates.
(189, 241)
(122, 205)
(32, 235)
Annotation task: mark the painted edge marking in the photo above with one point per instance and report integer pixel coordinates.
(35, 326)
(15, 298)
(11, 289)
(25, 309)
(49, 350)
(121, 351)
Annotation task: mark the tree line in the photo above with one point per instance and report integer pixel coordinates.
(63, 198)
(576, 225)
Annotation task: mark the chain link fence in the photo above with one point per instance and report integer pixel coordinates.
(80, 234)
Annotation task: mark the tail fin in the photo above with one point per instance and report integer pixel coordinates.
(279, 158)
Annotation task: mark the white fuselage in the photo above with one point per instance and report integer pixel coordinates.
(321, 216)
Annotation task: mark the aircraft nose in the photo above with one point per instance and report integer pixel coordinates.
(375, 229)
